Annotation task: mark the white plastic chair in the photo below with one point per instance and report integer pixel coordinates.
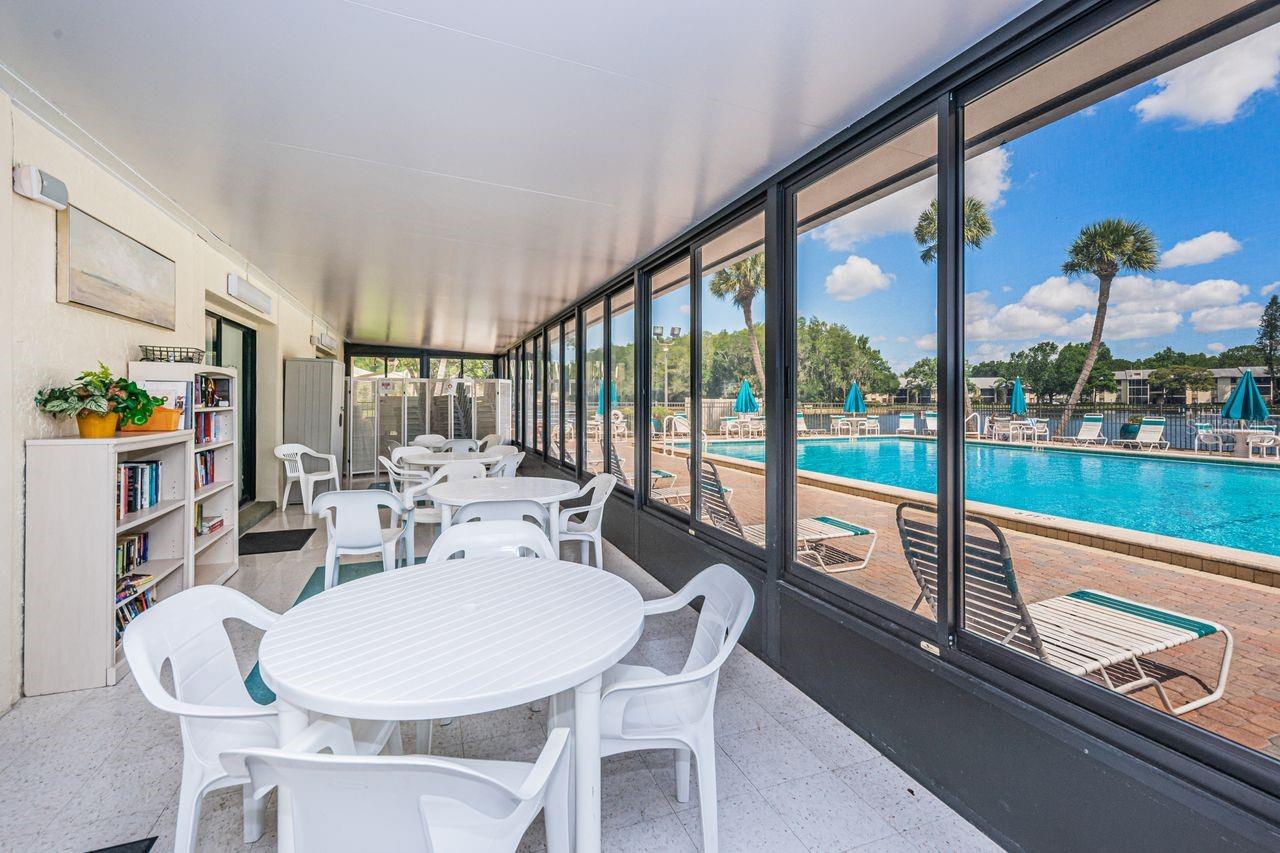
(507, 465)
(490, 538)
(414, 493)
(408, 454)
(583, 523)
(512, 510)
(430, 441)
(642, 708)
(490, 441)
(504, 449)
(354, 526)
(292, 455)
(460, 445)
(414, 802)
(216, 712)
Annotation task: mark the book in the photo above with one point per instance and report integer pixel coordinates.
(137, 486)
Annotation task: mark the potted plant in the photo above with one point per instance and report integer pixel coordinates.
(98, 401)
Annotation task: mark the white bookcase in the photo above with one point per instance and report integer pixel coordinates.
(216, 555)
(72, 532)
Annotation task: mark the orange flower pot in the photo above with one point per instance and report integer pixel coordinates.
(97, 425)
(163, 419)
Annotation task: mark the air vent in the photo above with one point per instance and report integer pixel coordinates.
(255, 297)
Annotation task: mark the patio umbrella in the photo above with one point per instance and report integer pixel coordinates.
(613, 397)
(1245, 402)
(1017, 398)
(854, 404)
(746, 403)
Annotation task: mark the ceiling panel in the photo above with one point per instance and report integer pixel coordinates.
(450, 174)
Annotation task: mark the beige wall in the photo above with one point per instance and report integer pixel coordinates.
(44, 342)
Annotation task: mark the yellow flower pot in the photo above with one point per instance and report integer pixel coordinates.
(97, 425)
(163, 419)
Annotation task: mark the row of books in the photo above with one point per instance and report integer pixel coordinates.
(211, 426)
(130, 584)
(206, 522)
(204, 468)
(126, 612)
(137, 486)
(131, 552)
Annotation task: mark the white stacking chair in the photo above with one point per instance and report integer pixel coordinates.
(354, 526)
(643, 708)
(490, 538)
(504, 449)
(293, 456)
(507, 465)
(461, 445)
(415, 802)
(414, 493)
(431, 441)
(215, 710)
(512, 510)
(583, 523)
(409, 453)
(490, 441)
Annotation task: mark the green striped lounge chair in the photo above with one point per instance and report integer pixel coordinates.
(907, 422)
(802, 427)
(1086, 632)
(1090, 431)
(931, 423)
(815, 536)
(657, 475)
(1150, 435)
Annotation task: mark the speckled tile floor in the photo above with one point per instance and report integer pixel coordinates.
(81, 771)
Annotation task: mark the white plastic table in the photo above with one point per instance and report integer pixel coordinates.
(429, 642)
(547, 491)
(429, 460)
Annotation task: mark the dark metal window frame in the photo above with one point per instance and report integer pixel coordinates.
(1238, 775)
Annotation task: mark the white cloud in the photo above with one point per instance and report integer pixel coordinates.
(1209, 246)
(1243, 316)
(1161, 293)
(987, 351)
(1057, 293)
(1270, 288)
(685, 309)
(1128, 322)
(928, 343)
(986, 178)
(855, 278)
(1213, 89)
(1216, 347)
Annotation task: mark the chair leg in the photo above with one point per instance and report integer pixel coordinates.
(422, 737)
(308, 492)
(330, 567)
(555, 810)
(598, 545)
(395, 743)
(682, 774)
(188, 825)
(284, 499)
(255, 815)
(704, 750)
(586, 553)
(389, 555)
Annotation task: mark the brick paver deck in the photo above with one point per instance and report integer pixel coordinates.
(1249, 712)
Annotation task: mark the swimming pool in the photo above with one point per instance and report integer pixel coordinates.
(1216, 502)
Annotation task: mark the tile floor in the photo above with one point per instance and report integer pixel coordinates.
(81, 771)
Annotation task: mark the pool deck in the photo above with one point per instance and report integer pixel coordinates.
(1249, 712)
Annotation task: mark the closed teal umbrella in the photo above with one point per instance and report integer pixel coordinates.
(746, 403)
(854, 404)
(613, 397)
(1018, 398)
(1245, 402)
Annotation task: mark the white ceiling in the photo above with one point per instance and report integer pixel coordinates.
(450, 174)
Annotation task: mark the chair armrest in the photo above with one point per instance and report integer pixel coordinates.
(219, 712)
(566, 514)
(670, 604)
(548, 762)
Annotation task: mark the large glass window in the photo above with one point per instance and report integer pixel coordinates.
(594, 388)
(622, 355)
(866, 321)
(539, 383)
(1119, 260)
(526, 409)
(570, 391)
(731, 492)
(554, 403)
(670, 372)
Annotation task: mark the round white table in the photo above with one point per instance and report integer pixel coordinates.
(547, 491)
(448, 639)
(429, 460)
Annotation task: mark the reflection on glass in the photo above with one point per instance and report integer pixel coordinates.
(526, 410)
(669, 383)
(1114, 269)
(732, 307)
(539, 381)
(865, 419)
(622, 415)
(570, 390)
(554, 403)
(594, 400)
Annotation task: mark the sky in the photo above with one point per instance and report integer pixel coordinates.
(1191, 154)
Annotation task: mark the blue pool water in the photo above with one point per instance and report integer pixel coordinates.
(1217, 502)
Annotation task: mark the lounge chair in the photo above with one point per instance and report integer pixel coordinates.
(1090, 432)
(869, 426)
(1150, 435)
(802, 428)
(907, 423)
(931, 423)
(973, 425)
(656, 475)
(813, 535)
(1085, 632)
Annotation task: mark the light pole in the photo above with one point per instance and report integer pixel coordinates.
(665, 343)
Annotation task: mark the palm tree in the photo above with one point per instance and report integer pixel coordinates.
(1103, 249)
(741, 282)
(977, 227)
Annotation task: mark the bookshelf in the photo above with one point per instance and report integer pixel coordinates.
(95, 508)
(215, 458)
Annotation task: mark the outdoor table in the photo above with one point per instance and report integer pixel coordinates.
(1241, 437)
(442, 640)
(547, 491)
(429, 460)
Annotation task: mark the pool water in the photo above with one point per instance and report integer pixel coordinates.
(1216, 502)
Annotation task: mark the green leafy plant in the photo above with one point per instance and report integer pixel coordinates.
(99, 392)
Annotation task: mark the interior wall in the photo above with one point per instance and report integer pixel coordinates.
(51, 342)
